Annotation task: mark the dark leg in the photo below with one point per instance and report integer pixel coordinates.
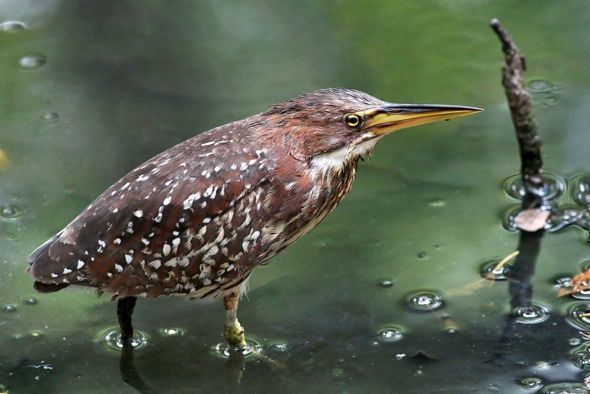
(124, 311)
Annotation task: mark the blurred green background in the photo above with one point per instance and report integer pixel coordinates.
(91, 89)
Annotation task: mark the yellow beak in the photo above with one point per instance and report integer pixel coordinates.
(392, 117)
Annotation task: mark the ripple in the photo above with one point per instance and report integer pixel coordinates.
(532, 383)
(424, 300)
(437, 202)
(12, 26)
(531, 314)
(582, 355)
(10, 210)
(553, 188)
(583, 295)
(539, 85)
(32, 61)
(111, 339)
(578, 315)
(49, 117)
(562, 281)
(487, 270)
(509, 218)
(581, 189)
(172, 332)
(9, 308)
(574, 341)
(390, 333)
(558, 220)
(250, 352)
(550, 100)
(385, 282)
(564, 388)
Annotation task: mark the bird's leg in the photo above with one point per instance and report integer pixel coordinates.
(233, 331)
(125, 308)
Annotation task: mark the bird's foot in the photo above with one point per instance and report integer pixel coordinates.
(234, 334)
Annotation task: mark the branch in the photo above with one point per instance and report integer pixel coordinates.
(519, 102)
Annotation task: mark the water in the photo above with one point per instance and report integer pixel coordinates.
(121, 81)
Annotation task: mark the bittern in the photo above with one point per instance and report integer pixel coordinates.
(196, 219)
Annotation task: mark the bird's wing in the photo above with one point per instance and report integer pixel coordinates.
(181, 216)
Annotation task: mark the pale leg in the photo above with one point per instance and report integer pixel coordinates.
(233, 331)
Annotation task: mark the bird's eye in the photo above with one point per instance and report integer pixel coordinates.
(353, 120)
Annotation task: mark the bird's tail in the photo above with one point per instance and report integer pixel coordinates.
(39, 261)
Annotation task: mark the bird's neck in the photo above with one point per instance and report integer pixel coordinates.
(342, 159)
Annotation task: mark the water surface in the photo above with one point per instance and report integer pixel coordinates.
(89, 90)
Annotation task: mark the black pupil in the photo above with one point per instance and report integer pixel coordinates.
(353, 120)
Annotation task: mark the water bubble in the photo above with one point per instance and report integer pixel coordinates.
(424, 300)
(437, 202)
(400, 356)
(531, 383)
(543, 365)
(553, 188)
(31, 62)
(12, 26)
(278, 347)
(574, 341)
(489, 271)
(49, 117)
(583, 295)
(385, 282)
(422, 255)
(9, 308)
(531, 314)
(36, 334)
(30, 301)
(581, 189)
(578, 315)
(564, 388)
(41, 365)
(563, 281)
(171, 332)
(250, 352)
(539, 85)
(390, 333)
(111, 338)
(582, 354)
(10, 211)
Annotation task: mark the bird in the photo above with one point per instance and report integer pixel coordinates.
(196, 219)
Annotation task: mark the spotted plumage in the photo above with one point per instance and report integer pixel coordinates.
(197, 218)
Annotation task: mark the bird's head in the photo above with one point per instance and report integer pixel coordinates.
(348, 123)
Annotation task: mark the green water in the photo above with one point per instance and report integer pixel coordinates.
(115, 82)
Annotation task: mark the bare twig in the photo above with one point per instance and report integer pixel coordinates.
(499, 268)
(519, 102)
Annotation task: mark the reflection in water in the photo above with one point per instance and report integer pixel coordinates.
(129, 373)
(130, 79)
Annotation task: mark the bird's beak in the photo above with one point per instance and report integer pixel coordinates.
(392, 117)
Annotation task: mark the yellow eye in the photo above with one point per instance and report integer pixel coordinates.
(353, 120)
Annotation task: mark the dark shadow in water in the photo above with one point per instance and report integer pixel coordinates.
(129, 373)
(520, 275)
(521, 272)
(235, 367)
